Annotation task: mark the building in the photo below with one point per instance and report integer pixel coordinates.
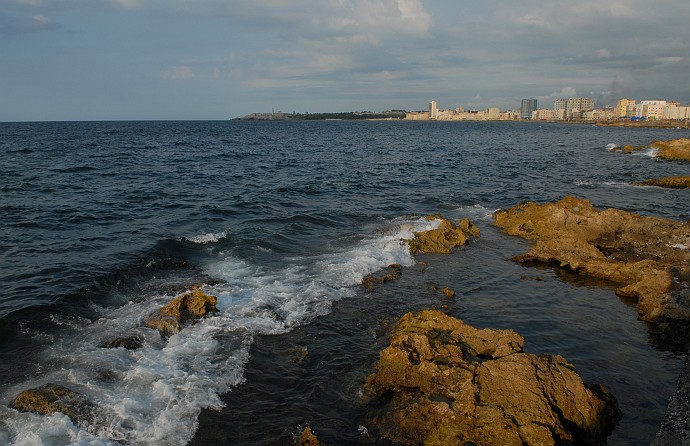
(624, 108)
(544, 114)
(676, 111)
(651, 110)
(433, 110)
(572, 107)
(527, 107)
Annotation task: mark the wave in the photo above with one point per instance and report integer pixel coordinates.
(597, 183)
(207, 238)
(154, 395)
(647, 151)
(476, 212)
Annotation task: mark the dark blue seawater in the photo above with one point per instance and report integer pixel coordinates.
(99, 219)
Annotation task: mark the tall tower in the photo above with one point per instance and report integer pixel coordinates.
(527, 107)
(433, 110)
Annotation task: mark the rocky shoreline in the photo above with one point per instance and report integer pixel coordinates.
(443, 382)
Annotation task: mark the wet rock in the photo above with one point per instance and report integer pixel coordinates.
(51, 398)
(442, 382)
(393, 272)
(647, 257)
(128, 342)
(676, 149)
(627, 149)
(675, 427)
(442, 239)
(308, 438)
(668, 182)
(448, 292)
(186, 308)
(299, 354)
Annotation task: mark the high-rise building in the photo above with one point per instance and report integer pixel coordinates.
(528, 106)
(573, 105)
(433, 110)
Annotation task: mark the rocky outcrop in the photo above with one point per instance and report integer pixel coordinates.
(668, 182)
(676, 149)
(442, 382)
(440, 241)
(186, 308)
(307, 438)
(392, 272)
(647, 257)
(51, 398)
(444, 238)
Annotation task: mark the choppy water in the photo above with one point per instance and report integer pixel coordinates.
(98, 216)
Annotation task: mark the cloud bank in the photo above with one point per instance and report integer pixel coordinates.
(330, 55)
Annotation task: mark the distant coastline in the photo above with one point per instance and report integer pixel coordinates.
(400, 115)
(337, 116)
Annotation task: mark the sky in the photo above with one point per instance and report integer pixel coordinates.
(222, 59)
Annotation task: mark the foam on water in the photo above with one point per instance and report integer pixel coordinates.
(476, 212)
(207, 238)
(611, 146)
(153, 395)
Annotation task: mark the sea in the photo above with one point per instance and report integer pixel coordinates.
(102, 223)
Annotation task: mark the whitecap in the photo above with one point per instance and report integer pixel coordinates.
(476, 212)
(207, 238)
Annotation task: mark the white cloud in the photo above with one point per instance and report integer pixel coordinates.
(180, 72)
(603, 53)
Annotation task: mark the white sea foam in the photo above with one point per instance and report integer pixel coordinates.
(476, 212)
(207, 238)
(592, 184)
(153, 395)
(611, 146)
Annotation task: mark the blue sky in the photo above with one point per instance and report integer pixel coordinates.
(219, 59)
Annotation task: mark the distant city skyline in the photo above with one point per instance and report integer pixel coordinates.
(210, 59)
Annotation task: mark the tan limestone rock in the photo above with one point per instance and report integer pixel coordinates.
(667, 182)
(443, 382)
(444, 238)
(307, 438)
(188, 307)
(676, 149)
(648, 257)
(51, 398)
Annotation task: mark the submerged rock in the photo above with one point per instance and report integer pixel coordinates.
(188, 307)
(51, 398)
(133, 342)
(444, 238)
(668, 182)
(442, 382)
(648, 257)
(393, 272)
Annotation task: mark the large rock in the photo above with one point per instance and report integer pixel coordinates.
(442, 382)
(676, 149)
(647, 257)
(667, 182)
(51, 398)
(186, 308)
(442, 239)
